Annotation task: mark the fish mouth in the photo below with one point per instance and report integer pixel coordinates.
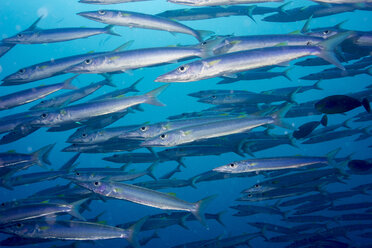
(163, 79)
(89, 15)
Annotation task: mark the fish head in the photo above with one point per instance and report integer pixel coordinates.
(22, 37)
(140, 133)
(324, 33)
(184, 73)
(100, 15)
(99, 187)
(23, 75)
(44, 119)
(19, 228)
(233, 167)
(43, 104)
(213, 99)
(164, 139)
(84, 135)
(89, 65)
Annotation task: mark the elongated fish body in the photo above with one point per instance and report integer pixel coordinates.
(115, 176)
(240, 43)
(70, 97)
(143, 196)
(93, 136)
(332, 135)
(106, 147)
(66, 230)
(40, 36)
(219, 2)
(33, 178)
(149, 131)
(109, 1)
(343, 1)
(243, 98)
(304, 13)
(45, 70)
(25, 96)
(133, 59)
(32, 211)
(139, 20)
(207, 131)
(193, 14)
(265, 164)
(210, 93)
(255, 75)
(231, 63)
(132, 158)
(332, 74)
(83, 111)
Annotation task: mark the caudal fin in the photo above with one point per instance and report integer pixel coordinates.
(42, 154)
(328, 48)
(67, 83)
(280, 114)
(75, 209)
(202, 34)
(109, 30)
(285, 74)
(366, 105)
(151, 96)
(316, 85)
(324, 120)
(200, 207)
(133, 88)
(132, 232)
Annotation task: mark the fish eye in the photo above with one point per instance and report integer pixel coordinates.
(214, 97)
(84, 135)
(326, 32)
(43, 101)
(163, 136)
(19, 35)
(250, 195)
(182, 68)
(97, 183)
(45, 115)
(101, 12)
(232, 165)
(77, 174)
(88, 61)
(256, 185)
(3, 204)
(22, 71)
(19, 225)
(144, 128)
(204, 43)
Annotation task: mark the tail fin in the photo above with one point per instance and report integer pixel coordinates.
(150, 170)
(285, 74)
(292, 94)
(109, 30)
(133, 231)
(75, 209)
(193, 181)
(331, 155)
(202, 34)
(67, 83)
(70, 163)
(151, 96)
(250, 12)
(328, 46)
(316, 85)
(200, 206)
(366, 105)
(42, 154)
(324, 120)
(133, 88)
(219, 219)
(281, 8)
(108, 80)
(369, 72)
(279, 114)
(345, 124)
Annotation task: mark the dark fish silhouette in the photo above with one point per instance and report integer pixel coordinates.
(340, 103)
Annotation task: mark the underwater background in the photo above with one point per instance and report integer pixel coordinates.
(17, 15)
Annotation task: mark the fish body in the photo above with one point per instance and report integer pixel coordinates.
(139, 20)
(340, 104)
(219, 2)
(265, 164)
(133, 59)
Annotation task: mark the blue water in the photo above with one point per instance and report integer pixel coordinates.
(17, 15)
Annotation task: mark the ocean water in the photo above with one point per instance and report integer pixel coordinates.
(17, 15)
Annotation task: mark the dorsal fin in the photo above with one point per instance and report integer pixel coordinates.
(34, 25)
(306, 26)
(124, 46)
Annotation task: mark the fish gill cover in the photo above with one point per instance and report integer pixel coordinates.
(185, 123)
